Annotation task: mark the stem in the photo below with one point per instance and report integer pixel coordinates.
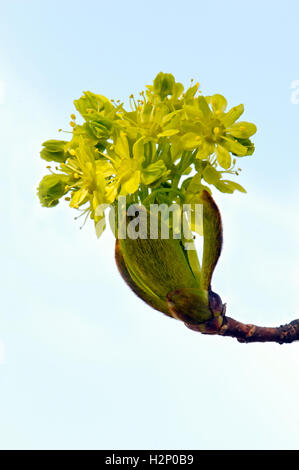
(251, 333)
(174, 186)
(152, 195)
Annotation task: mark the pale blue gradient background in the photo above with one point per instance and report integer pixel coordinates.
(87, 364)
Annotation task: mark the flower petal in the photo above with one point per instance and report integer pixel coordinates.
(203, 107)
(233, 114)
(242, 129)
(211, 175)
(218, 103)
(131, 185)
(122, 147)
(138, 150)
(153, 172)
(223, 157)
(78, 198)
(227, 186)
(205, 150)
(234, 147)
(169, 133)
(191, 141)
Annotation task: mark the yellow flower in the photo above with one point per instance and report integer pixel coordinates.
(218, 131)
(129, 166)
(89, 175)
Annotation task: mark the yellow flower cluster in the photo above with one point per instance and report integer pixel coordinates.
(145, 152)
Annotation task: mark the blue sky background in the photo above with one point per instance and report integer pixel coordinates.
(84, 363)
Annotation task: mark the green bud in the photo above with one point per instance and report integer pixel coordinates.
(51, 189)
(248, 144)
(53, 151)
(164, 84)
(168, 277)
(154, 267)
(189, 305)
(91, 104)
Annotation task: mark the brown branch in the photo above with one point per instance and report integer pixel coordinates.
(251, 333)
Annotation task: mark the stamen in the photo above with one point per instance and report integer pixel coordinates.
(85, 218)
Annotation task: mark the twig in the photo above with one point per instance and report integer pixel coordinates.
(251, 333)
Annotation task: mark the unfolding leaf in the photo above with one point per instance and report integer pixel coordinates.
(140, 289)
(212, 229)
(160, 264)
